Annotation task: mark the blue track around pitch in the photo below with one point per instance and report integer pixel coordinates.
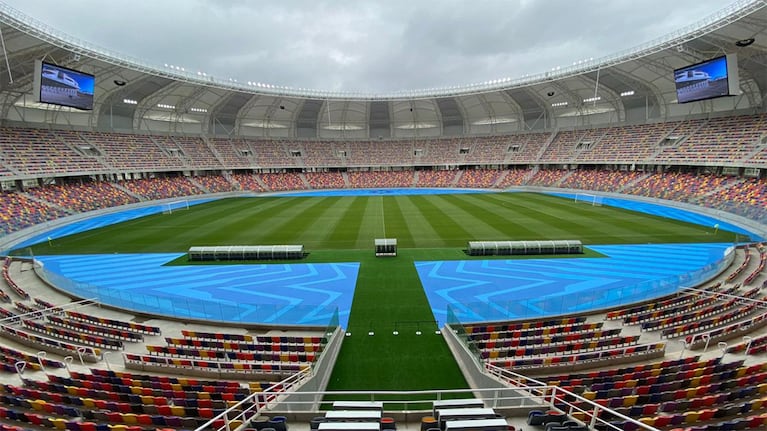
(286, 294)
(486, 290)
(669, 212)
(101, 221)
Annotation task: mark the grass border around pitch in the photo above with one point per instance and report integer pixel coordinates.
(420, 254)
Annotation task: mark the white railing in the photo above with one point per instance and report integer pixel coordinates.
(536, 397)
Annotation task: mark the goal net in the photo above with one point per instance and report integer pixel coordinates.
(588, 198)
(171, 207)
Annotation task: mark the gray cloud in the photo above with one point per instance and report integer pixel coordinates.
(367, 46)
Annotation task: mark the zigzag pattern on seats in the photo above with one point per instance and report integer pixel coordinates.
(604, 355)
(689, 302)
(673, 393)
(657, 305)
(65, 334)
(551, 331)
(145, 361)
(506, 341)
(9, 281)
(515, 326)
(114, 323)
(90, 354)
(234, 346)
(102, 331)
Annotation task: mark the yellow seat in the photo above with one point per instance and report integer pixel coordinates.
(630, 400)
(38, 405)
(58, 423)
(130, 418)
(691, 416)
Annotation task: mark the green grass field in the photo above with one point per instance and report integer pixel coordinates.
(388, 291)
(352, 222)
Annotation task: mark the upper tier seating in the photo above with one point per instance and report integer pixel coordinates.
(725, 140)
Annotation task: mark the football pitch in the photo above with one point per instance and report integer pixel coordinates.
(352, 222)
(388, 292)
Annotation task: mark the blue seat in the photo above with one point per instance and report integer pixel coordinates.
(535, 417)
(279, 423)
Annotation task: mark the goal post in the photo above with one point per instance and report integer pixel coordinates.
(589, 198)
(171, 207)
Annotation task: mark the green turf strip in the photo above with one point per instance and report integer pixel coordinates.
(389, 297)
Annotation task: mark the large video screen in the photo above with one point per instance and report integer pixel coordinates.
(63, 86)
(717, 77)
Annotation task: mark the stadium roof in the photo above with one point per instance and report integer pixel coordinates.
(635, 85)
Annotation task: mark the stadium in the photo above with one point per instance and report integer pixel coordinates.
(576, 249)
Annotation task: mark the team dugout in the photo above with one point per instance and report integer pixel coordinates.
(246, 252)
(504, 248)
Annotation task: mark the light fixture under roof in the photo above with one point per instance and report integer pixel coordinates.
(745, 42)
(493, 120)
(130, 101)
(592, 99)
(558, 104)
(165, 106)
(627, 93)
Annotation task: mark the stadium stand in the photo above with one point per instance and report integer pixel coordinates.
(213, 183)
(654, 394)
(683, 143)
(381, 179)
(478, 178)
(283, 182)
(247, 182)
(548, 177)
(18, 211)
(161, 188)
(604, 181)
(692, 361)
(82, 197)
(325, 180)
(436, 178)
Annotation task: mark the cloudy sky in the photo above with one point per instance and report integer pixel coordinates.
(370, 46)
